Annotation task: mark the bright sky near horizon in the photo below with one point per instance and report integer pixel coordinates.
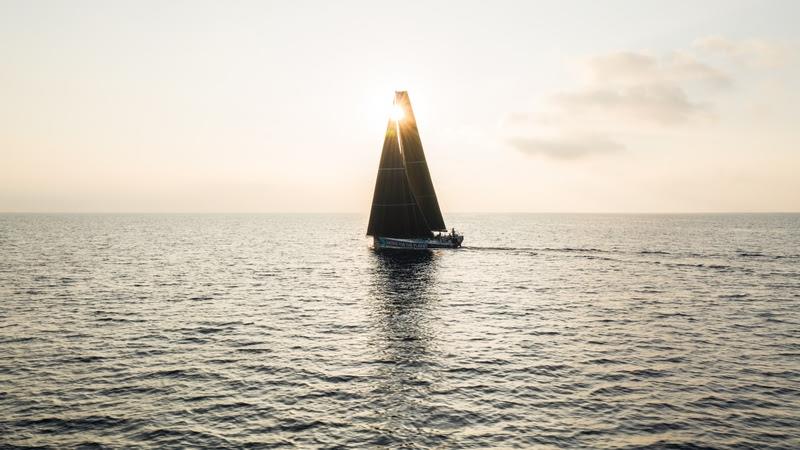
(190, 106)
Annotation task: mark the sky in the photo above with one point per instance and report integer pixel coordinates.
(529, 106)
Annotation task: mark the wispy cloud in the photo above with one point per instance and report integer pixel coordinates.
(620, 92)
(749, 52)
(663, 103)
(641, 87)
(566, 147)
(634, 68)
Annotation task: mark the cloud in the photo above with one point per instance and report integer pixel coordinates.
(664, 103)
(566, 147)
(749, 52)
(622, 67)
(514, 118)
(633, 85)
(627, 68)
(685, 68)
(622, 93)
(517, 119)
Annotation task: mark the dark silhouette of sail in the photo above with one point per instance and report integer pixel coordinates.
(395, 212)
(419, 176)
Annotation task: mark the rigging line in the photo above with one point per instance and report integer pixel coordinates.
(399, 140)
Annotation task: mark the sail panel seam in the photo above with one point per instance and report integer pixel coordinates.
(394, 204)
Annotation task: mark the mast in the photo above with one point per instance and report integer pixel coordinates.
(419, 176)
(395, 212)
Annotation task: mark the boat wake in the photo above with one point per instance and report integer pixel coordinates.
(508, 249)
(534, 249)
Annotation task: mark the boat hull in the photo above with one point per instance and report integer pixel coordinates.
(386, 243)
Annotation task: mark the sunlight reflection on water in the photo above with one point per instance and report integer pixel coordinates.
(264, 330)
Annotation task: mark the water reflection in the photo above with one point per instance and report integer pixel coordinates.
(403, 309)
(402, 302)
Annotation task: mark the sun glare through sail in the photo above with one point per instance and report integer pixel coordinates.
(397, 112)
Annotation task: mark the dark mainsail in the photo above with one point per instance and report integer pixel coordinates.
(395, 212)
(419, 176)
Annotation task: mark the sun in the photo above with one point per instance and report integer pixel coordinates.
(397, 112)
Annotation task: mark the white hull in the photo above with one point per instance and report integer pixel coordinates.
(385, 243)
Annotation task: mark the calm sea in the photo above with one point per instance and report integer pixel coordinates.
(545, 331)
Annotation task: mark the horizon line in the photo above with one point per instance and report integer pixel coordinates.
(361, 213)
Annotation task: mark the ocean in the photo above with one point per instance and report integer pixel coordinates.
(544, 331)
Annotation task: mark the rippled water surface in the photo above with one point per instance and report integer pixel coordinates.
(559, 331)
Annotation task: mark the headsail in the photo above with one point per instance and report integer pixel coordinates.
(395, 212)
(419, 176)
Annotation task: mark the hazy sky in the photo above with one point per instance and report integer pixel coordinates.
(236, 106)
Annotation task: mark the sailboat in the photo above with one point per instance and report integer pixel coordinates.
(405, 212)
